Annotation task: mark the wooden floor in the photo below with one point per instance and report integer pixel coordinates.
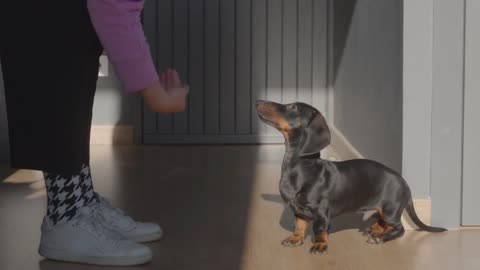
(220, 209)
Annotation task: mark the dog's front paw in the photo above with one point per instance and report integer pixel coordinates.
(293, 241)
(319, 248)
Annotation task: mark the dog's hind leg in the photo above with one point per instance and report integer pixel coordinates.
(394, 231)
(390, 221)
(296, 239)
(377, 228)
(374, 230)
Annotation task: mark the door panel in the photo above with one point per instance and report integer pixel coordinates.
(471, 148)
(233, 52)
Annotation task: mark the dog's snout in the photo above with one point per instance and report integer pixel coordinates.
(259, 103)
(265, 105)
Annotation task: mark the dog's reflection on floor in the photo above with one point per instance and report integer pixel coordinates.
(340, 223)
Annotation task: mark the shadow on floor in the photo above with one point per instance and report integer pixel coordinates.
(5, 171)
(201, 196)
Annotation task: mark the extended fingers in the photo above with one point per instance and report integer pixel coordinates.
(171, 80)
(175, 78)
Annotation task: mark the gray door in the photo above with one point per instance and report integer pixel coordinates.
(233, 52)
(471, 148)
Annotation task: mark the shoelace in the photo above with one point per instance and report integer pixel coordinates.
(110, 213)
(89, 223)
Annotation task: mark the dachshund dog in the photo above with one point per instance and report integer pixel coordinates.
(318, 190)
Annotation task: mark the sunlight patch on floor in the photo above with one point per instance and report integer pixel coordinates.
(24, 177)
(34, 180)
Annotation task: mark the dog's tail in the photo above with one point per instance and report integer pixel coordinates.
(422, 226)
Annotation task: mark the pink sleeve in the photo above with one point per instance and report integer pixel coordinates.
(118, 26)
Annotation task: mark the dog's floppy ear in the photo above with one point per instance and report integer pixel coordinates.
(316, 135)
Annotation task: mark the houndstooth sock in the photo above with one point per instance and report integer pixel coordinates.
(67, 193)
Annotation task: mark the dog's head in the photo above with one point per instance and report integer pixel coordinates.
(300, 123)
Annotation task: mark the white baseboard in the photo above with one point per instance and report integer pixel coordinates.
(344, 150)
(111, 135)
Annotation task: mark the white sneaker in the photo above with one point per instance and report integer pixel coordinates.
(85, 240)
(116, 220)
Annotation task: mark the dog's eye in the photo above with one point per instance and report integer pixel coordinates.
(291, 107)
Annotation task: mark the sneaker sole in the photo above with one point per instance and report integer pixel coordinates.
(60, 255)
(146, 238)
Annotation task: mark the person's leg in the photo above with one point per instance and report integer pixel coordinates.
(50, 64)
(68, 193)
(50, 67)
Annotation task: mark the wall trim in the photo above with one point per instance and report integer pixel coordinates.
(417, 92)
(344, 150)
(111, 135)
(447, 112)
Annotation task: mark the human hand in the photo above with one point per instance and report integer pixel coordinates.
(168, 95)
